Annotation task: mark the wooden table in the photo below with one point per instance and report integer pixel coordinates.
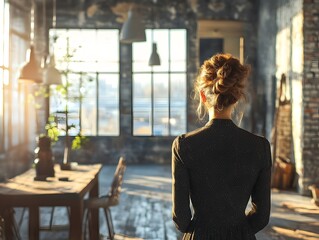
(23, 191)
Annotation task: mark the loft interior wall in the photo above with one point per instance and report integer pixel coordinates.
(169, 14)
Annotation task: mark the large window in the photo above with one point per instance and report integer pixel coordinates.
(89, 61)
(159, 92)
(4, 64)
(14, 41)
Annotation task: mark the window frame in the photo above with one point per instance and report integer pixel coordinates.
(7, 88)
(169, 73)
(96, 79)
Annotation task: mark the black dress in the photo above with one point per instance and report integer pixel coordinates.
(218, 167)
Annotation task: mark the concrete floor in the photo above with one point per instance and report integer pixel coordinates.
(145, 210)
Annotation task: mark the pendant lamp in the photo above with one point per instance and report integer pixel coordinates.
(31, 71)
(51, 75)
(154, 58)
(133, 29)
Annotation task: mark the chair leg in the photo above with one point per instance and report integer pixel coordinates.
(51, 218)
(21, 217)
(16, 230)
(86, 223)
(109, 222)
(15, 226)
(69, 214)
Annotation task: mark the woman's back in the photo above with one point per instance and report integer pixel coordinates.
(223, 163)
(219, 167)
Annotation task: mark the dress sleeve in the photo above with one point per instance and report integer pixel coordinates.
(181, 212)
(261, 194)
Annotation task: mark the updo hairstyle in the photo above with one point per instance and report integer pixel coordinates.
(222, 80)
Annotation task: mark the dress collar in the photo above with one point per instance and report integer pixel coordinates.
(220, 122)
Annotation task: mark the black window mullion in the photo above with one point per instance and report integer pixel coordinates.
(80, 102)
(152, 93)
(153, 104)
(97, 103)
(169, 83)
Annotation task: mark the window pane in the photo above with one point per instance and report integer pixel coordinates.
(89, 105)
(19, 21)
(1, 109)
(7, 101)
(73, 104)
(97, 57)
(6, 36)
(22, 106)
(30, 109)
(165, 112)
(178, 104)
(15, 114)
(70, 101)
(141, 54)
(109, 105)
(18, 55)
(107, 40)
(162, 39)
(142, 104)
(102, 56)
(161, 116)
(178, 50)
(1, 32)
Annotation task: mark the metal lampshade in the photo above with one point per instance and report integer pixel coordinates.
(31, 71)
(51, 75)
(154, 59)
(133, 29)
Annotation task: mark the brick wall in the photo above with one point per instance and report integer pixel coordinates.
(289, 61)
(310, 153)
(294, 47)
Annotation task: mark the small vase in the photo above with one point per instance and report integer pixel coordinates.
(66, 165)
(44, 165)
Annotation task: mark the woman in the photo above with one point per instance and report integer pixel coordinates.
(220, 166)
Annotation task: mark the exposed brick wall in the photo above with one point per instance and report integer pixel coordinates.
(295, 40)
(288, 46)
(310, 154)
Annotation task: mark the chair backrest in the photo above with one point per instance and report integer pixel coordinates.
(118, 178)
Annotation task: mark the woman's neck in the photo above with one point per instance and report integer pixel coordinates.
(224, 114)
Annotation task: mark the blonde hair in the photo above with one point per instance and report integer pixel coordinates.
(222, 79)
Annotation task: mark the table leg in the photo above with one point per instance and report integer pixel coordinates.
(34, 223)
(94, 216)
(76, 221)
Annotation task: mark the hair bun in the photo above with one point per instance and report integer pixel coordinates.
(222, 79)
(225, 70)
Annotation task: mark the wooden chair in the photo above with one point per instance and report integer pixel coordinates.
(109, 200)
